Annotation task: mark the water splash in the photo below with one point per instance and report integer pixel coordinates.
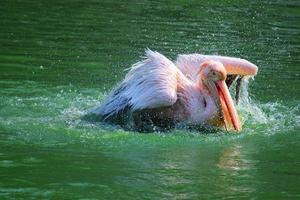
(257, 118)
(56, 118)
(266, 118)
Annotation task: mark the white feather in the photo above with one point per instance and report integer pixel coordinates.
(189, 64)
(151, 83)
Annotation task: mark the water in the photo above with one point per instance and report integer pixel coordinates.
(59, 58)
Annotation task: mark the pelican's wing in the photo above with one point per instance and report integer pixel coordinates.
(150, 83)
(189, 64)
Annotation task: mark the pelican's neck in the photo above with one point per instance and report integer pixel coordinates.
(199, 105)
(201, 84)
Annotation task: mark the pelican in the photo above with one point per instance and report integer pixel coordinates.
(157, 93)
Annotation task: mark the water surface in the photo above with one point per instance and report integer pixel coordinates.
(59, 58)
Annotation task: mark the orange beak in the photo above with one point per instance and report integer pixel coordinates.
(229, 112)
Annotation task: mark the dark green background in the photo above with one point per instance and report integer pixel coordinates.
(59, 58)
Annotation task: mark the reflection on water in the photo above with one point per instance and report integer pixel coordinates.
(233, 163)
(59, 58)
(231, 160)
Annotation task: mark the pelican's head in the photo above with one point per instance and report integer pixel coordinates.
(213, 75)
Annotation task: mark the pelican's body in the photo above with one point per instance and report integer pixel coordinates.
(156, 93)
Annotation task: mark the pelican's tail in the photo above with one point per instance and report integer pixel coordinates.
(115, 108)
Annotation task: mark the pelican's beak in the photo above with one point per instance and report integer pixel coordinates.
(229, 112)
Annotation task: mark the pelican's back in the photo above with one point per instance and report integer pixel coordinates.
(151, 83)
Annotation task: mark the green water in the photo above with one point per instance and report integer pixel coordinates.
(60, 58)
